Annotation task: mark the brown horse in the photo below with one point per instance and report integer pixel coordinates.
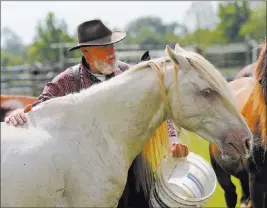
(247, 71)
(252, 173)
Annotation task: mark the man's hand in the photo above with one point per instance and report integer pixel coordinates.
(179, 150)
(16, 117)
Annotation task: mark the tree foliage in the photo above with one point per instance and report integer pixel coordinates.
(48, 32)
(151, 30)
(232, 16)
(236, 21)
(200, 15)
(10, 59)
(256, 24)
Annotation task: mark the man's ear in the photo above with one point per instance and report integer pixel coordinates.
(81, 50)
(177, 59)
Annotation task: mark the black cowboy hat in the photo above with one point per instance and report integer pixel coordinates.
(95, 33)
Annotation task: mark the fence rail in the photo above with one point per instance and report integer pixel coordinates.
(31, 79)
(26, 80)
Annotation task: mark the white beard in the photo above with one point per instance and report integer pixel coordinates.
(105, 68)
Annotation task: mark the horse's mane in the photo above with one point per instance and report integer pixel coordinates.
(257, 120)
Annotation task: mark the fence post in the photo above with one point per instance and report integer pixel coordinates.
(254, 51)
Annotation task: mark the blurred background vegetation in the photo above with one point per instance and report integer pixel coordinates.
(227, 38)
(234, 22)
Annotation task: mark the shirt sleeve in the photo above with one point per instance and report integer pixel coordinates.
(61, 85)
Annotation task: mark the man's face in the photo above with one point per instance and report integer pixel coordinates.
(102, 59)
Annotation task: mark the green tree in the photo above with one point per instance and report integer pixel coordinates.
(145, 30)
(152, 23)
(256, 25)
(151, 30)
(232, 16)
(148, 37)
(200, 15)
(48, 31)
(10, 59)
(203, 38)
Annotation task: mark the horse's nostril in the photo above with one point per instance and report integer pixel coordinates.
(247, 144)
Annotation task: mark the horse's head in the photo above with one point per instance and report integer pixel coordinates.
(205, 104)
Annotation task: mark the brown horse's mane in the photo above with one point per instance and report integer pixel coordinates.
(254, 110)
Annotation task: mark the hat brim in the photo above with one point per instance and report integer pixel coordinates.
(115, 37)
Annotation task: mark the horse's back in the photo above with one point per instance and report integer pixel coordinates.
(22, 135)
(27, 168)
(42, 170)
(247, 71)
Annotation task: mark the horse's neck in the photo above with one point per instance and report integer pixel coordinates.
(131, 109)
(128, 109)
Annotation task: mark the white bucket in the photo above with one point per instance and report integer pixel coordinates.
(183, 182)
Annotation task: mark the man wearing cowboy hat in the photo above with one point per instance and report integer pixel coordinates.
(98, 63)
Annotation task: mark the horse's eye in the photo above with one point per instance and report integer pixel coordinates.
(260, 82)
(207, 92)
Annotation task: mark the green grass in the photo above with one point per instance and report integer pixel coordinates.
(200, 147)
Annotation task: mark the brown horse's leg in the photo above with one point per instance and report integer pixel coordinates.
(257, 191)
(265, 198)
(225, 182)
(244, 181)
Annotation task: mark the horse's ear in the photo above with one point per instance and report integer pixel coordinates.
(145, 56)
(177, 58)
(178, 48)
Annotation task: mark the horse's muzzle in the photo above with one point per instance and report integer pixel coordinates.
(237, 143)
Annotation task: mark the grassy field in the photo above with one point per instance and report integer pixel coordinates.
(200, 147)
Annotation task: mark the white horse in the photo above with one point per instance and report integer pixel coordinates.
(76, 150)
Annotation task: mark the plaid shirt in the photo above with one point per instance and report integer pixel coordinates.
(64, 84)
